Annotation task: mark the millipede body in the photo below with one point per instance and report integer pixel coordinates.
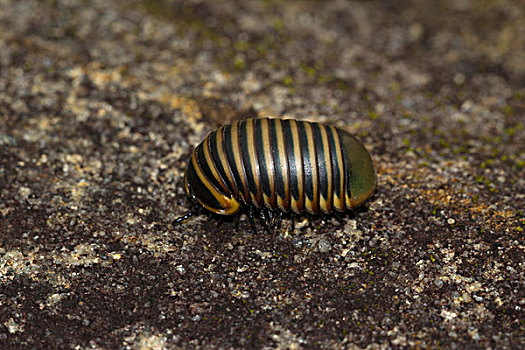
(279, 165)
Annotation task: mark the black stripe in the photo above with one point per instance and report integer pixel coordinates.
(348, 171)
(335, 164)
(262, 159)
(321, 161)
(292, 168)
(205, 168)
(228, 147)
(248, 166)
(307, 165)
(217, 161)
(278, 167)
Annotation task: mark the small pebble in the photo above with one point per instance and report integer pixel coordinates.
(324, 246)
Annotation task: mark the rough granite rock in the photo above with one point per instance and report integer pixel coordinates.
(101, 103)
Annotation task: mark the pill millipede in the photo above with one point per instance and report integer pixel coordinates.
(272, 166)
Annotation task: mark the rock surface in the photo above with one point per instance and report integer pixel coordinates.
(101, 103)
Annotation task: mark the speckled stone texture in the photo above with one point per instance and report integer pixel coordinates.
(102, 101)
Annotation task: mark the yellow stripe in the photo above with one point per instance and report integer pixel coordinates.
(297, 205)
(238, 161)
(211, 164)
(282, 203)
(312, 205)
(339, 202)
(224, 160)
(252, 154)
(268, 158)
(326, 203)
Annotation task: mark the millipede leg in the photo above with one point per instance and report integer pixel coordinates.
(250, 217)
(236, 224)
(279, 219)
(339, 218)
(264, 217)
(271, 218)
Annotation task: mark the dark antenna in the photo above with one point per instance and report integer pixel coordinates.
(186, 216)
